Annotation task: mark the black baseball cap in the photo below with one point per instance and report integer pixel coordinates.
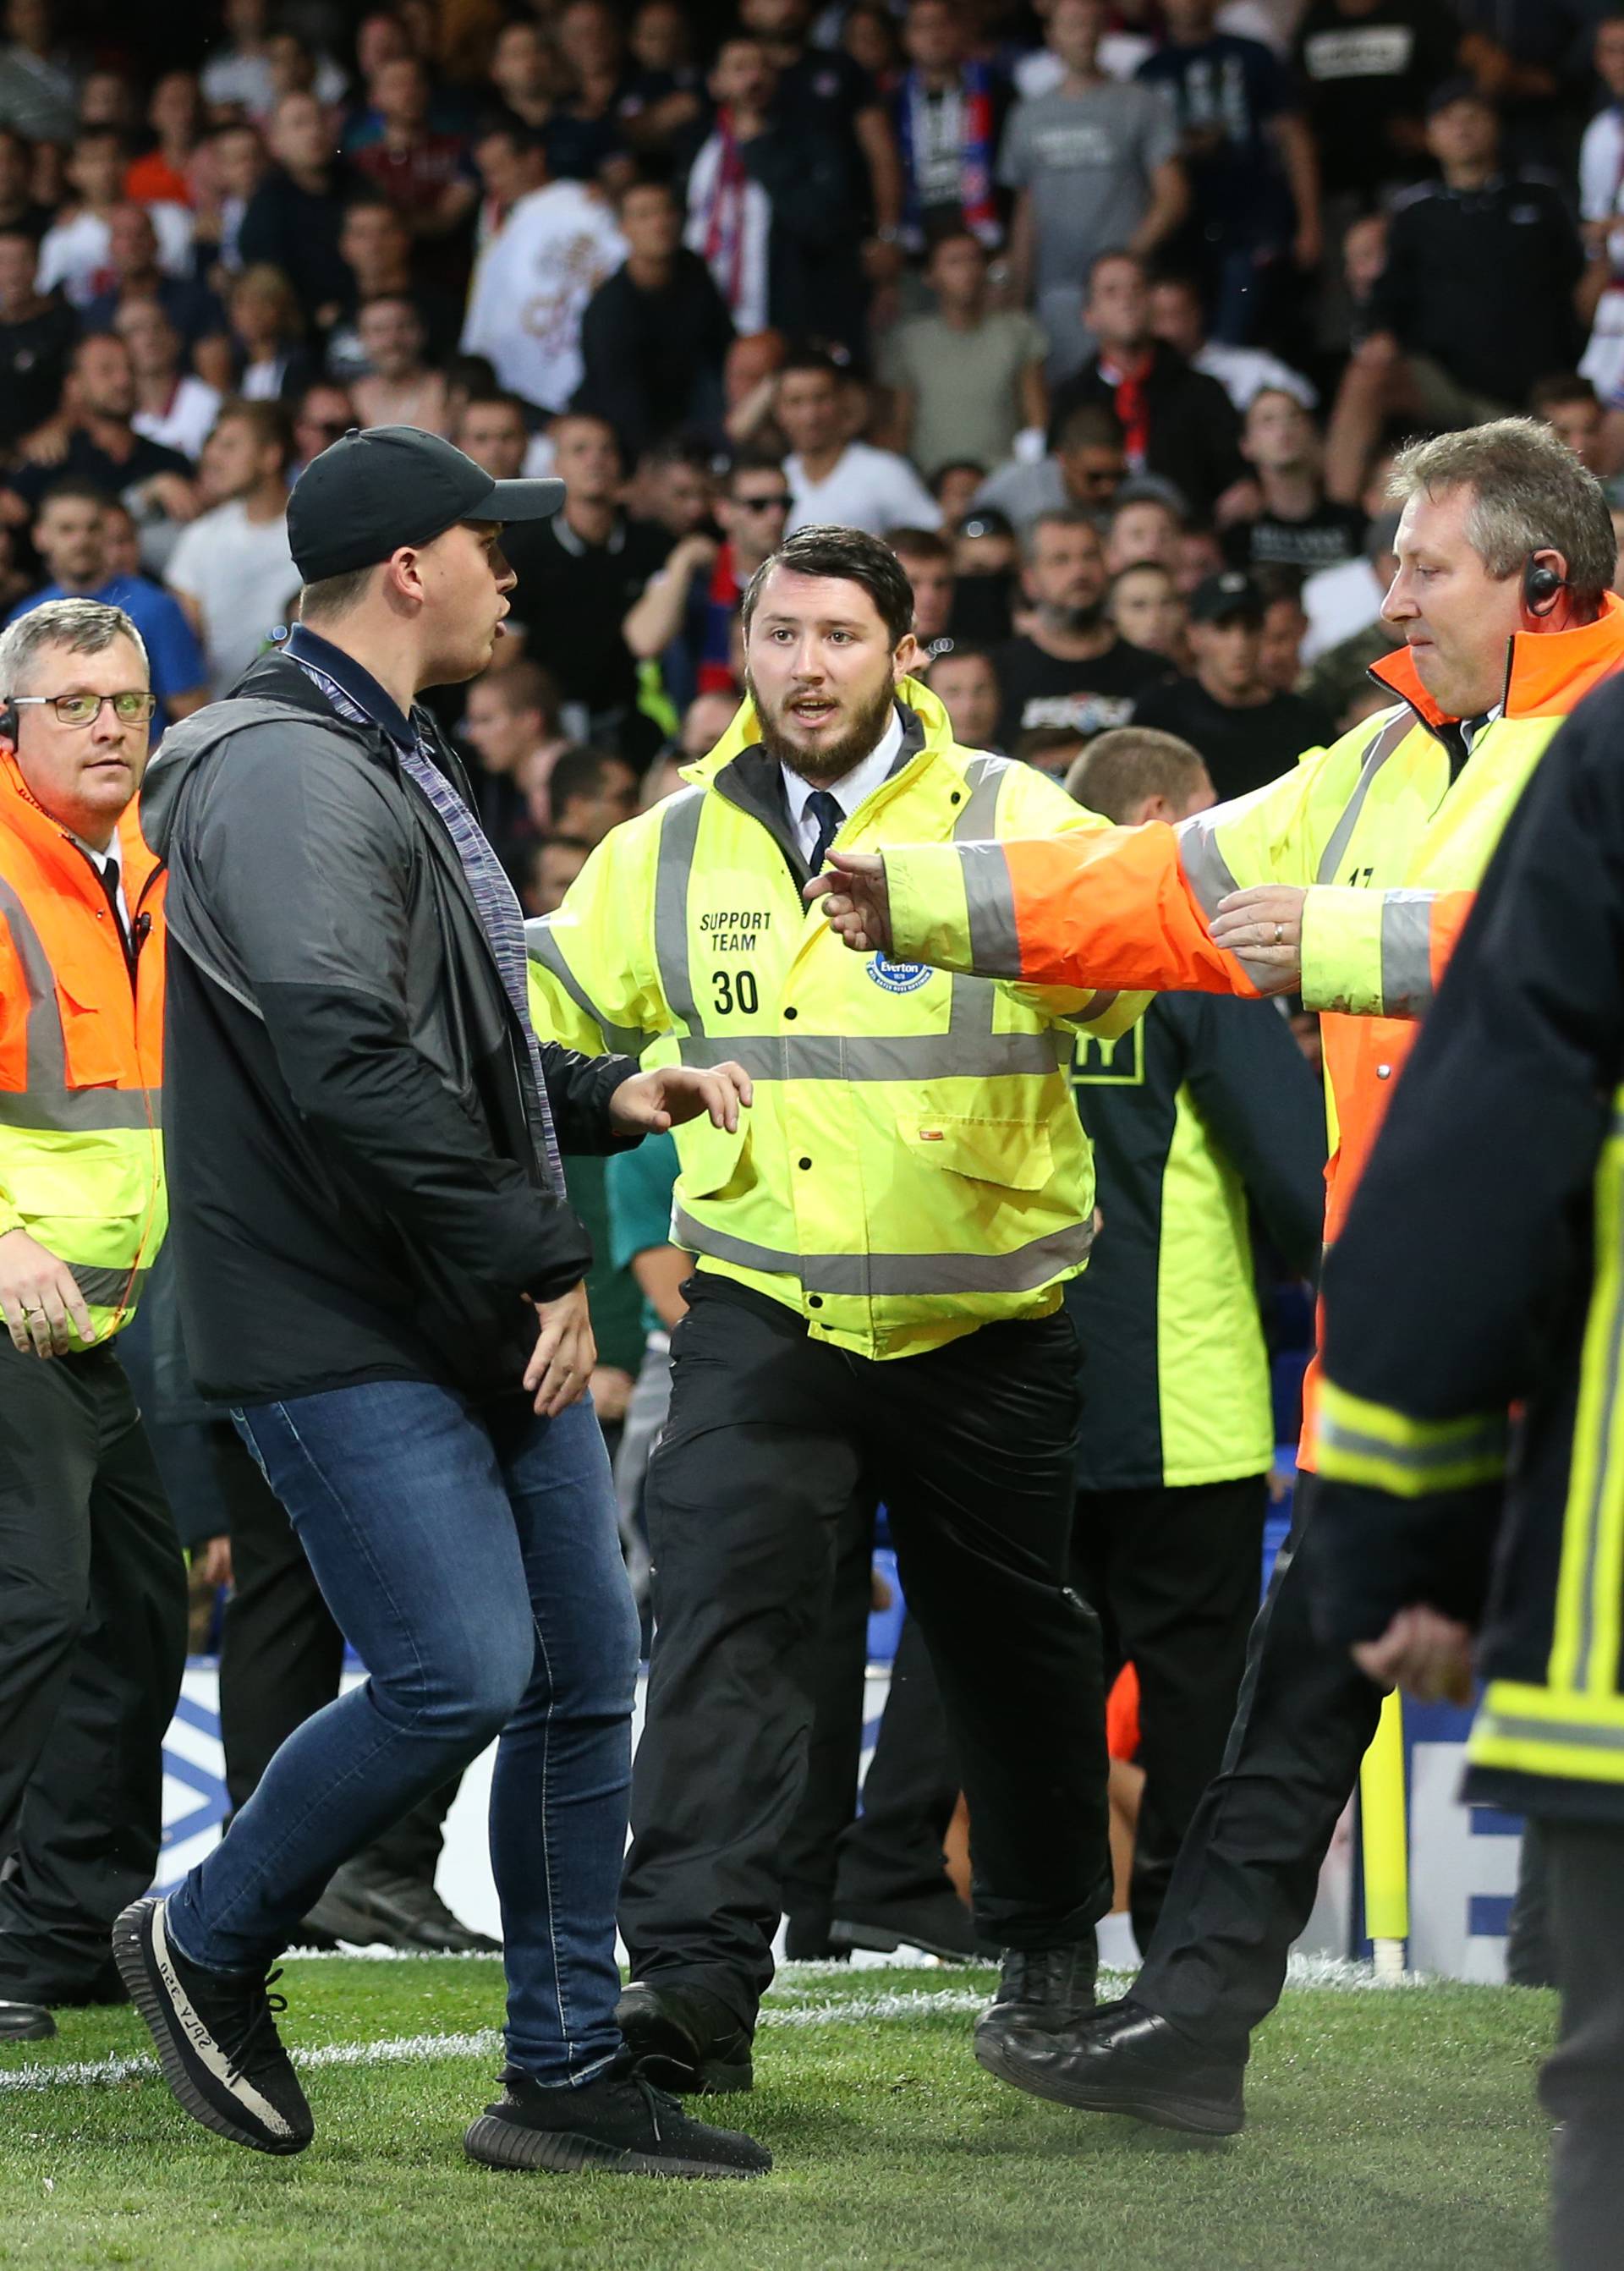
(381, 486)
(1219, 598)
(987, 520)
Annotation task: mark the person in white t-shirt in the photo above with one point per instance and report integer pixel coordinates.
(76, 252)
(834, 482)
(1601, 211)
(532, 285)
(174, 405)
(232, 569)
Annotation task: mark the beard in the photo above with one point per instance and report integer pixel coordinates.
(1076, 619)
(829, 761)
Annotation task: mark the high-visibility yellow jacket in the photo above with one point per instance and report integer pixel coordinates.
(81, 1054)
(912, 1166)
(1389, 830)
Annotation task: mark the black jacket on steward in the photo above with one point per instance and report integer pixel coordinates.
(355, 1191)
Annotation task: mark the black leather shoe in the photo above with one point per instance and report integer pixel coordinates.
(1040, 1990)
(393, 1912)
(938, 1923)
(1120, 2060)
(683, 2039)
(25, 2022)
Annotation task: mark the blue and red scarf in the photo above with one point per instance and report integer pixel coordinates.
(975, 163)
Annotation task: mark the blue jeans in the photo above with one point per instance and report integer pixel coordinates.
(471, 1557)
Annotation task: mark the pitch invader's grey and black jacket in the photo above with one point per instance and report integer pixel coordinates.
(1204, 1112)
(1481, 1273)
(356, 1192)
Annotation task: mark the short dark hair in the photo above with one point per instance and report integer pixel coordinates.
(583, 772)
(1120, 767)
(844, 554)
(919, 544)
(1277, 580)
(526, 685)
(810, 359)
(1090, 425)
(74, 489)
(1548, 394)
(955, 466)
(756, 460)
(335, 595)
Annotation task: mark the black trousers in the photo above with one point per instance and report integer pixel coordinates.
(1582, 2084)
(1249, 1870)
(892, 1852)
(1173, 1573)
(281, 1655)
(93, 1644)
(771, 1438)
(809, 1854)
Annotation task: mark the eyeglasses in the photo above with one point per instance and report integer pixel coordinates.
(779, 501)
(85, 709)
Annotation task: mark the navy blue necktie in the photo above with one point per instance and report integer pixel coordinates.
(831, 820)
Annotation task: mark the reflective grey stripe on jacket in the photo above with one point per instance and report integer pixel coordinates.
(1407, 953)
(900, 1276)
(46, 1101)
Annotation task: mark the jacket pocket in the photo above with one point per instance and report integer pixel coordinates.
(715, 1164)
(1015, 1153)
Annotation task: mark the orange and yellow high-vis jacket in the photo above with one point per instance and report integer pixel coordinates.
(1387, 831)
(81, 1054)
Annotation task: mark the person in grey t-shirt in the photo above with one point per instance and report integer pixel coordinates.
(1095, 168)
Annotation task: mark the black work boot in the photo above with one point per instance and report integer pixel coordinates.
(680, 2038)
(619, 2122)
(1122, 2059)
(1039, 1991)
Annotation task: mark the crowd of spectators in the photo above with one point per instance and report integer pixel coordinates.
(1107, 316)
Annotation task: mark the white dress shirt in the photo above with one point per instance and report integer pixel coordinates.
(848, 793)
(99, 861)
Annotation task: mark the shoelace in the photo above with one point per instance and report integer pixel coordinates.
(267, 2009)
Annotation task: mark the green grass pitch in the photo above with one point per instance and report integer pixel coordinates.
(1388, 2130)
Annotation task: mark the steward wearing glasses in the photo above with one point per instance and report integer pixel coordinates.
(92, 1596)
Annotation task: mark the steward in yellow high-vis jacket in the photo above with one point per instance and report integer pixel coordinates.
(93, 1587)
(876, 1310)
(1455, 1299)
(1357, 871)
(951, 1185)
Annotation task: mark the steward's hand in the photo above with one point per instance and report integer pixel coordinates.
(651, 1102)
(560, 1371)
(856, 900)
(1265, 925)
(39, 1299)
(1424, 1652)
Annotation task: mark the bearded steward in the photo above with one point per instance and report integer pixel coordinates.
(876, 1310)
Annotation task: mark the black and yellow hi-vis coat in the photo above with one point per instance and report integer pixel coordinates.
(1470, 1432)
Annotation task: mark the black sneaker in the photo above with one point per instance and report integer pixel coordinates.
(620, 2122)
(25, 2022)
(680, 2038)
(215, 2033)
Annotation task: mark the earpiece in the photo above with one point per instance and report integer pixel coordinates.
(7, 723)
(1542, 587)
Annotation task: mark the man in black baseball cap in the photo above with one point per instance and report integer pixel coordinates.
(375, 491)
(380, 1276)
(1247, 734)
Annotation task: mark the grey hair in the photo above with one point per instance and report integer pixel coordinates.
(81, 626)
(1530, 493)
